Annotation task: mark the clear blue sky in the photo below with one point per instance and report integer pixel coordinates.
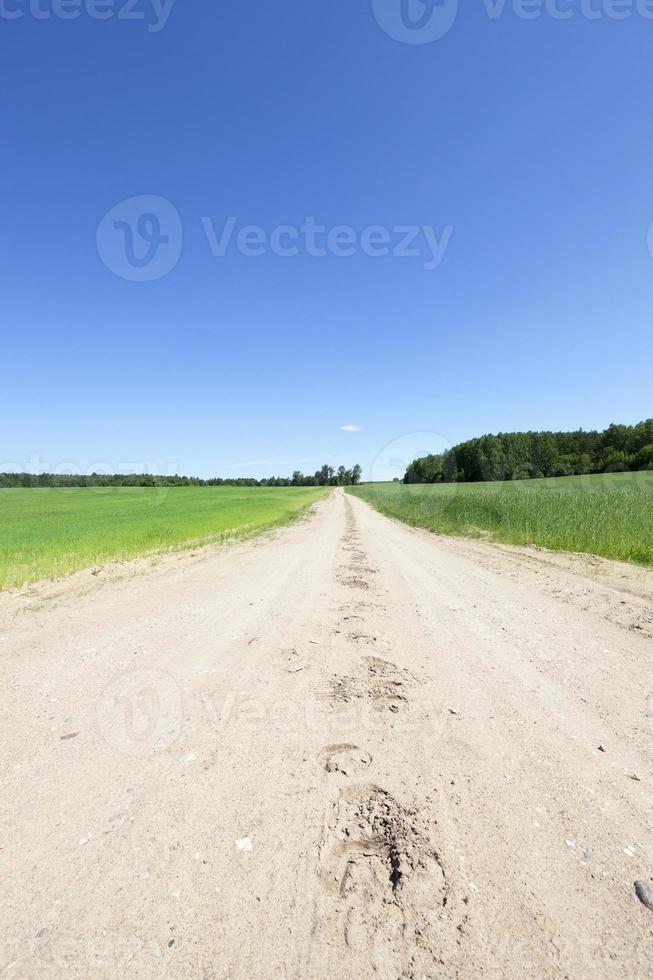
(531, 138)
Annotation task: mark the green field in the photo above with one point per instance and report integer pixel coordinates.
(609, 515)
(50, 532)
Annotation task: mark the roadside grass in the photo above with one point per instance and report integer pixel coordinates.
(45, 533)
(610, 514)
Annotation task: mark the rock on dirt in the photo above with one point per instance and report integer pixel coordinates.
(644, 892)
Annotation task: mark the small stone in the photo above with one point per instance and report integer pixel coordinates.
(171, 942)
(644, 892)
(601, 748)
(628, 851)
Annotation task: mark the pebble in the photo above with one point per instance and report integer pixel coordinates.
(244, 844)
(601, 748)
(644, 892)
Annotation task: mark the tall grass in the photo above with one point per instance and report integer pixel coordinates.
(609, 515)
(50, 532)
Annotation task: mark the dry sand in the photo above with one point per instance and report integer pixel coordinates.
(347, 749)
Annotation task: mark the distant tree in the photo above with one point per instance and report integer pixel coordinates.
(644, 458)
(529, 455)
(449, 467)
(612, 460)
(324, 477)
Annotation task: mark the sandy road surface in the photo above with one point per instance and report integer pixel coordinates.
(350, 749)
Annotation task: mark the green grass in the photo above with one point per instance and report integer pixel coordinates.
(46, 533)
(609, 515)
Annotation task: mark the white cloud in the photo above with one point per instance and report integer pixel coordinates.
(350, 428)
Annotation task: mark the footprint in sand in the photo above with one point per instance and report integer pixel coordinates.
(344, 758)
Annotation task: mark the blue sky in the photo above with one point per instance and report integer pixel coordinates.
(528, 139)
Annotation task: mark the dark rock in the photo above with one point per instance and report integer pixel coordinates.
(644, 892)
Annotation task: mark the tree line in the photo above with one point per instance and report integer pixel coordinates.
(533, 455)
(326, 476)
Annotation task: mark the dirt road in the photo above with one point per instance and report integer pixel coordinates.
(350, 749)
